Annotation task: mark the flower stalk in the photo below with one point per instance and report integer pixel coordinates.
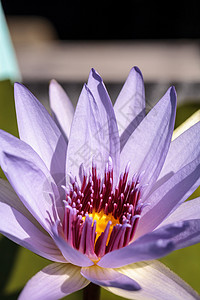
(91, 292)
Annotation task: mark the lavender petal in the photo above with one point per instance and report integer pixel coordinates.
(61, 107)
(109, 278)
(37, 128)
(130, 105)
(19, 229)
(147, 147)
(153, 245)
(54, 282)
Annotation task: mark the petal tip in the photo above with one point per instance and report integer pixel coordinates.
(173, 94)
(53, 82)
(54, 87)
(94, 75)
(172, 91)
(137, 70)
(20, 89)
(18, 86)
(85, 87)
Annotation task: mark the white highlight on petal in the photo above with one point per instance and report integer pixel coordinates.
(54, 282)
(193, 119)
(157, 282)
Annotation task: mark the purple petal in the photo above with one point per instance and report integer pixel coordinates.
(182, 151)
(30, 179)
(147, 147)
(186, 211)
(109, 129)
(61, 107)
(157, 282)
(19, 229)
(37, 128)
(54, 282)
(109, 278)
(84, 142)
(9, 197)
(150, 246)
(188, 237)
(94, 133)
(130, 105)
(72, 255)
(168, 196)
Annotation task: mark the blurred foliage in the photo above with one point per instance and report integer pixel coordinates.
(8, 121)
(18, 265)
(185, 110)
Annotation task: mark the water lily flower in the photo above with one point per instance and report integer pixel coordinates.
(100, 191)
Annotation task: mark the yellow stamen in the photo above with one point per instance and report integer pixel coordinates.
(101, 222)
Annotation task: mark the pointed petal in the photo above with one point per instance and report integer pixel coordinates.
(182, 151)
(150, 246)
(72, 255)
(190, 212)
(186, 211)
(130, 105)
(61, 107)
(30, 179)
(84, 142)
(8, 196)
(169, 196)
(19, 229)
(109, 277)
(94, 134)
(108, 123)
(37, 128)
(54, 282)
(190, 236)
(147, 147)
(157, 282)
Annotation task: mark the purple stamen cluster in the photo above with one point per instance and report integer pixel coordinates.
(99, 196)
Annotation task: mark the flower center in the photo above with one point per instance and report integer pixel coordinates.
(98, 217)
(102, 220)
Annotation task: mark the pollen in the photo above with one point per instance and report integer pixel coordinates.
(102, 220)
(99, 217)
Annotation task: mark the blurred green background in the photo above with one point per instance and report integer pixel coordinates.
(18, 265)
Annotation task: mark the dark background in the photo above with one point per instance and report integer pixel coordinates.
(137, 19)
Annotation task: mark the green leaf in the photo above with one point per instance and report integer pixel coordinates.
(8, 121)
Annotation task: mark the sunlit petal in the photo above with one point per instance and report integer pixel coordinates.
(54, 282)
(157, 282)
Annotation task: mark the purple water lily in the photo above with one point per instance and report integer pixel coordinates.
(100, 191)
